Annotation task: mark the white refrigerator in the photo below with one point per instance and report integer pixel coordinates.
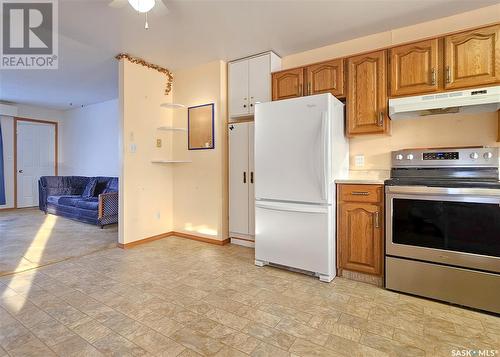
(300, 149)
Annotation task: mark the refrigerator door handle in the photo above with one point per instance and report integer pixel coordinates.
(324, 164)
(292, 208)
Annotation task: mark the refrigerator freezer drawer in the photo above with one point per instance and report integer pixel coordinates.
(295, 235)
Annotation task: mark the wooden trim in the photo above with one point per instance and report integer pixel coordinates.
(201, 239)
(173, 234)
(56, 146)
(498, 138)
(145, 240)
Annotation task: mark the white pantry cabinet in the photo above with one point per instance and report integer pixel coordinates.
(249, 82)
(241, 183)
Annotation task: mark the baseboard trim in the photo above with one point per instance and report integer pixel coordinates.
(201, 239)
(170, 234)
(145, 240)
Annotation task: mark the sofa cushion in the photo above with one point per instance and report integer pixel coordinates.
(90, 188)
(63, 200)
(64, 185)
(90, 203)
(112, 185)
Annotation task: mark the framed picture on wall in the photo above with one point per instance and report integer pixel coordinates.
(201, 127)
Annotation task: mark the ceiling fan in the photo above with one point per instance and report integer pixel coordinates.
(157, 7)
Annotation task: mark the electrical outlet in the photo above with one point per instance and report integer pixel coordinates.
(158, 215)
(359, 160)
(158, 143)
(133, 148)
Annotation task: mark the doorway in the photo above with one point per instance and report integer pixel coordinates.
(35, 151)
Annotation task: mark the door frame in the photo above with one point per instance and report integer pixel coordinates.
(56, 147)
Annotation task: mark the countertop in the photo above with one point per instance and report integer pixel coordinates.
(360, 177)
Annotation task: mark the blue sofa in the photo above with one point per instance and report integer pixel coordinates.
(91, 200)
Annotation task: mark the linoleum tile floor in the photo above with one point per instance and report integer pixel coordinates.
(176, 297)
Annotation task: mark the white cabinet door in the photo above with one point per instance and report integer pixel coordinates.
(259, 70)
(251, 189)
(238, 178)
(238, 88)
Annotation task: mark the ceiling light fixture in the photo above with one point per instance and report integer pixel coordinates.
(142, 5)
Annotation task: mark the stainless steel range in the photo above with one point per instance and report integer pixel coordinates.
(443, 225)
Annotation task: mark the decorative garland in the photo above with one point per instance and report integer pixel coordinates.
(136, 60)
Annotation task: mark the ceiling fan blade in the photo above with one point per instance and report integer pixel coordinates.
(118, 3)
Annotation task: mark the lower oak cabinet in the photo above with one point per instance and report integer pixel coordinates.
(360, 228)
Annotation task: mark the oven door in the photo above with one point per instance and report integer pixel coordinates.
(452, 226)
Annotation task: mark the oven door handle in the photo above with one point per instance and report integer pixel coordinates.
(440, 191)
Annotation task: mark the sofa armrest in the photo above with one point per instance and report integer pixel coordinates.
(108, 204)
(42, 195)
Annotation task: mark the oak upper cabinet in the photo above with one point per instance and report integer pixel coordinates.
(360, 228)
(415, 68)
(472, 58)
(326, 77)
(288, 83)
(249, 82)
(367, 94)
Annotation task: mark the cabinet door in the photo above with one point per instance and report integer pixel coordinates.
(415, 68)
(251, 186)
(472, 58)
(238, 178)
(367, 94)
(288, 84)
(259, 80)
(238, 88)
(360, 237)
(326, 77)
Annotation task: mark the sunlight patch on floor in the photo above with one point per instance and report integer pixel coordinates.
(35, 252)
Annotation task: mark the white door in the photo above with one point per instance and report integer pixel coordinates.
(238, 88)
(291, 150)
(238, 178)
(259, 80)
(251, 186)
(35, 158)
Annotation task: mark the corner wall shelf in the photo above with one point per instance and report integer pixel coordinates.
(172, 105)
(170, 161)
(171, 128)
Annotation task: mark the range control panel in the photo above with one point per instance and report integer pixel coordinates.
(450, 155)
(457, 157)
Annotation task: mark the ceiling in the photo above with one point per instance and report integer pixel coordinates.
(197, 31)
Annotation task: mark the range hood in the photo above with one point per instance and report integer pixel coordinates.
(465, 101)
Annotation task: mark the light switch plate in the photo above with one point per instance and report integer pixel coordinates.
(133, 148)
(359, 160)
(158, 143)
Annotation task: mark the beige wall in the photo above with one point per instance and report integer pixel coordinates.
(200, 186)
(443, 130)
(146, 198)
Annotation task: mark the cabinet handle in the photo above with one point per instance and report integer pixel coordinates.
(244, 105)
(433, 76)
(309, 88)
(380, 119)
(251, 104)
(377, 219)
(360, 193)
(300, 91)
(448, 74)
(251, 177)
(244, 177)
